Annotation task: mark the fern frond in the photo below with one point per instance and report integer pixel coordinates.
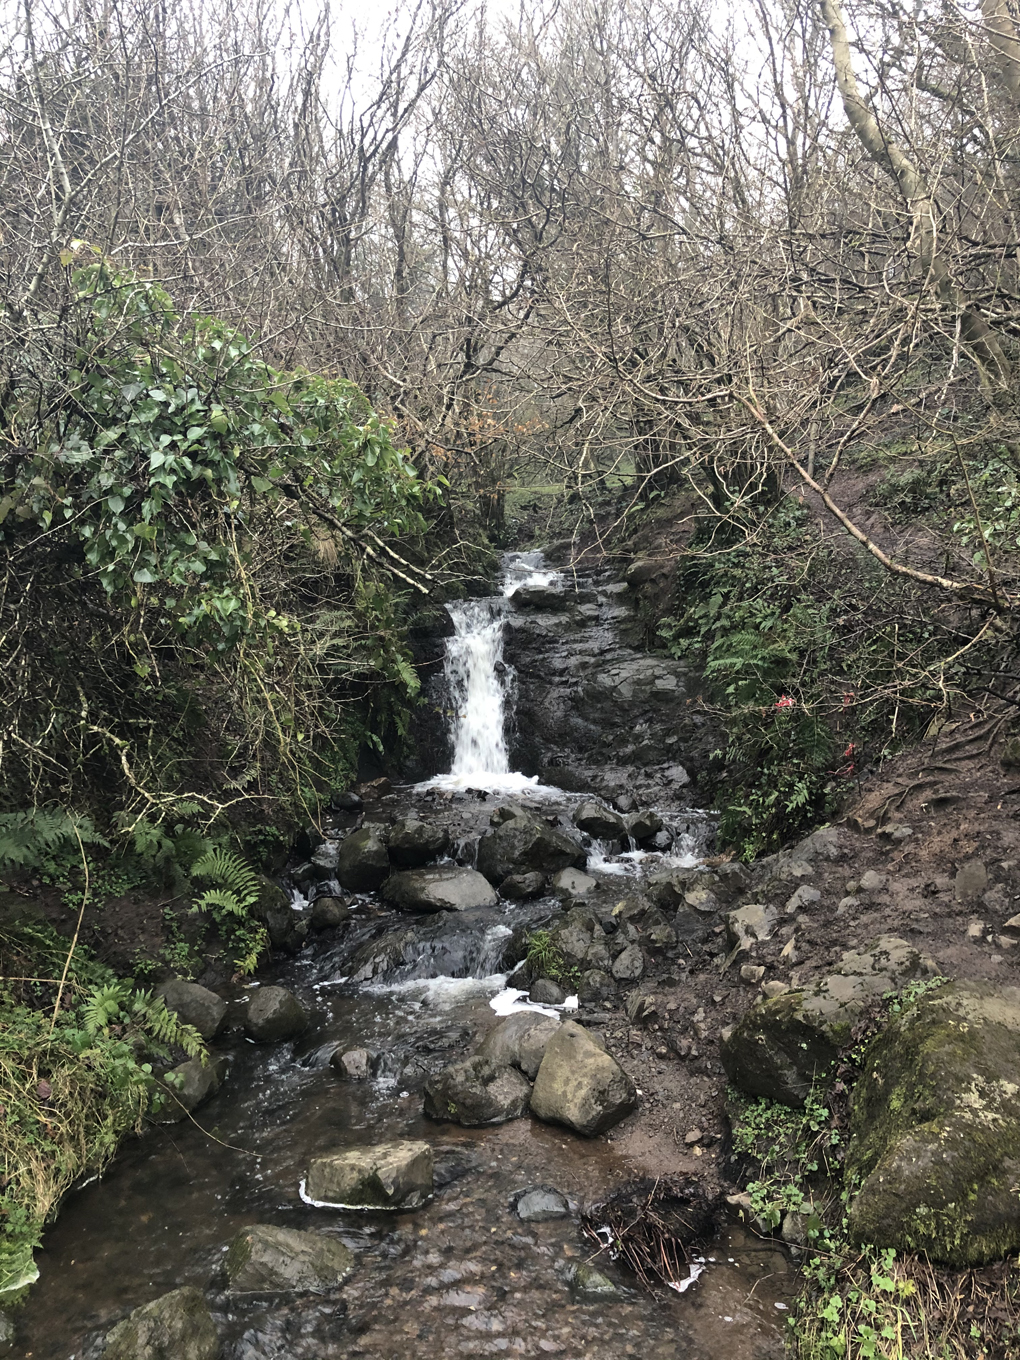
(29, 835)
(220, 897)
(229, 871)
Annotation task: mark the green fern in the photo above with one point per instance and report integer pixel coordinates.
(229, 871)
(118, 1006)
(222, 898)
(29, 836)
(230, 902)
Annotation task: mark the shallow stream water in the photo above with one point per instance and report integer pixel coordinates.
(462, 1276)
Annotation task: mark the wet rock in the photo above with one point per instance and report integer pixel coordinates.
(543, 597)
(285, 927)
(571, 938)
(274, 1014)
(540, 1204)
(438, 889)
(599, 821)
(520, 1041)
(384, 1176)
(267, 1260)
(188, 1086)
(522, 887)
(545, 992)
(936, 1128)
(413, 843)
(595, 984)
(176, 1326)
(354, 1065)
(477, 1091)
(325, 860)
(644, 825)
(591, 1286)
(625, 802)
(328, 912)
(971, 881)
(194, 1005)
(571, 883)
(629, 965)
(346, 801)
(526, 845)
(374, 789)
(363, 864)
(580, 1085)
(781, 1046)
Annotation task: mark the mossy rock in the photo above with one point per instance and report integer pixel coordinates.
(936, 1129)
(785, 1046)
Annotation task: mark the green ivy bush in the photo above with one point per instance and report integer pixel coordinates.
(202, 559)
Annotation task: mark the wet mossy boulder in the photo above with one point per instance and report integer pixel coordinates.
(527, 844)
(274, 1014)
(176, 1326)
(443, 888)
(194, 1005)
(264, 1259)
(520, 1041)
(413, 843)
(936, 1128)
(188, 1086)
(383, 1176)
(785, 1045)
(477, 1091)
(363, 863)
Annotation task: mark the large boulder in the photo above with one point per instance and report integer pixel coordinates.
(526, 844)
(477, 1091)
(413, 843)
(188, 1086)
(386, 1176)
(783, 1046)
(194, 1005)
(644, 825)
(599, 821)
(580, 1085)
(363, 863)
(176, 1326)
(264, 1259)
(520, 1041)
(523, 887)
(273, 1014)
(445, 888)
(936, 1128)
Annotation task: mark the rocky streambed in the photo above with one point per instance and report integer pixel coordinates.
(387, 1158)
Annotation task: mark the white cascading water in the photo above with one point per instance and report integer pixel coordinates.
(481, 685)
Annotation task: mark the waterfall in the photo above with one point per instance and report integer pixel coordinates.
(481, 686)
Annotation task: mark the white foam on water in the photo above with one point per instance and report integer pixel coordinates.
(514, 999)
(440, 992)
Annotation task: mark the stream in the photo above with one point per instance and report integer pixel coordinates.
(463, 1275)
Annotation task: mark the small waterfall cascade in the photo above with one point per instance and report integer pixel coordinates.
(481, 685)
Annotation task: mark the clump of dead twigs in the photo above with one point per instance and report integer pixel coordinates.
(655, 1227)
